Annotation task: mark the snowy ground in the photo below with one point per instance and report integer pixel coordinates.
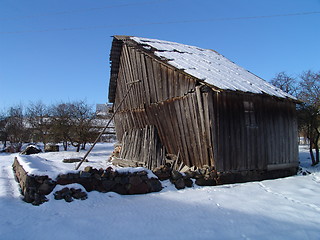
(287, 208)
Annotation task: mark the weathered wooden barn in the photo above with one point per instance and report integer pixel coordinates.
(197, 106)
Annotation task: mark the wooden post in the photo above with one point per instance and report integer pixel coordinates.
(97, 139)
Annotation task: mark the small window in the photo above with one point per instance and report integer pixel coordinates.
(249, 114)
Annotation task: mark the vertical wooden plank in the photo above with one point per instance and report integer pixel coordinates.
(164, 80)
(174, 128)
(159, 80)
(232, 146)
(141, 85)
(191, 132)
(145, 78)
(239, 134)
(133, 66)
(216, 132)
(274, 141)
(156, 80)
(261, 137)
(277, 137)
(211, 125)
(129, 75)
(268, 119)
(184, 117)
(166, 127)
(182, 84)
(180, 115)
(171, 83)
(176, 84)
(225, 132)
(202, 130)
(197, 129)
(151, 80)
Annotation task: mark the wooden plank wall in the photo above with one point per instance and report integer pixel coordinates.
(204, 127)
(167, 99)
(241, 146)
(143, 145)
(181, 127)
(159, 82)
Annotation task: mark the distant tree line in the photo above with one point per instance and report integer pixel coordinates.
(306, 88)
(72, 123)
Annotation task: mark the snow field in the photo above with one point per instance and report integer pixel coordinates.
(287, 208)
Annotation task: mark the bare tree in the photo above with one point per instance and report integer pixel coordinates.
(285, 82)
(61, 123)
(310, 88)
(82, 128)
(3, 130)
(309, 111)
(39, 120)
(73, 123)
(307, 90)
(15, 128)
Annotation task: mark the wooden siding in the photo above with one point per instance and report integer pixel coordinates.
(159, 82)
(179, 127)
(241, 146)
(143, 146)
(228, 130)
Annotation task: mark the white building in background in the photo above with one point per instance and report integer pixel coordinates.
(103, 109)
(103, 114)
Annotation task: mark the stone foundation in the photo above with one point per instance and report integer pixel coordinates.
(208, 176)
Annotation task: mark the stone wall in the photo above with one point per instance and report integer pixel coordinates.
(208, 176)
(35, 188)
(109, 180)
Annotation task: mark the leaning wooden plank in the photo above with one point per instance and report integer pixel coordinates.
(153, 92)
(181, 114)
(177, 137)
(214, 116)
(170, 127)
(198, 108)
(188, 128)
(164, 79)
(134, 69)
(170, 83)
(196, 132)
(127, 70)
(156, 80)
(145, 78)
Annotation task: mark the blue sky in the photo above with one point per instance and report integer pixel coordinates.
(59, 50)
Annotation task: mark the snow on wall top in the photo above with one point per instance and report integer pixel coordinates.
(210, 67)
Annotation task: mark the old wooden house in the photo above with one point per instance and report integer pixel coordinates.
(196, 106)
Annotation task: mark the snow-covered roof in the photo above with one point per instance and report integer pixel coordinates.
(210, 67)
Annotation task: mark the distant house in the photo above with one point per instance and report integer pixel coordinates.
(103, 109)
(103, 115)
(198, 106)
